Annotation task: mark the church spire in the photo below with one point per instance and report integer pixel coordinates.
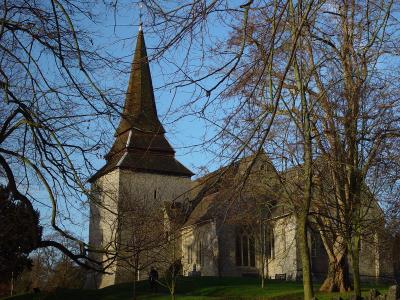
(140, 111)
(140, 143)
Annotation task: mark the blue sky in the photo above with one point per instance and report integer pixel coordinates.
(119, 38)
(184, 133)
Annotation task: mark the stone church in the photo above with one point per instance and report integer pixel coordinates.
(219, 227)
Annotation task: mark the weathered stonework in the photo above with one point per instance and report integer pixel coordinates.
(217, 239)
(157, 187)
(130, 190)
(136, 194)
(200, 249)
(123, 188)
(103, 224)
(285, 256)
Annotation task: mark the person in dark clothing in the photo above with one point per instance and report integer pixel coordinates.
(153, 277)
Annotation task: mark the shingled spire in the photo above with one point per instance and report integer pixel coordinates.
(140, 111)
(140, 143)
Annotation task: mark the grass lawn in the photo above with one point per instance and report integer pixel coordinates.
(207, 288)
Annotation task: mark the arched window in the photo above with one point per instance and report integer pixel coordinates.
(190, 254)
(252, 252)
(245, 250)
(271, 244)
(199, 254)
(315, 246)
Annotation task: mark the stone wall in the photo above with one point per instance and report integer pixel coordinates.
(220, 250)
(145, 194)
(376, 261)
(227, 235)
(103, 223)
(122, 190)
(154, 186)
(284, 260)
(129, 195)
(228, 267)
(200, 249)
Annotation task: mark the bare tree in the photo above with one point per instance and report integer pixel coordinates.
(50, 104)
(340, 68)
(282, 28)
(142, 237)
(326, 57)
(355, 119)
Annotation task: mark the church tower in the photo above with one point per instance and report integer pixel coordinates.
(140, 169)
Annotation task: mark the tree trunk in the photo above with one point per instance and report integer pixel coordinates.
(262, 240)
(172, 292)
(12, 284)
(337, 279)
(134, 287)
(304, 209)
(262, 280)
(355, 262)
(135, 275)
(305, 257)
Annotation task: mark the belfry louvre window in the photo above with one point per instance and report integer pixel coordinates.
(245, 251)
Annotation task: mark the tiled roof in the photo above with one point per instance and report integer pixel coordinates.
(204, 210)
(217, 195)
(144, 162)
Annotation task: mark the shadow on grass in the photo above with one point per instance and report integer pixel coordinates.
(227, 288)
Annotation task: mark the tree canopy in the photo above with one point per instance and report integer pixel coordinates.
(20, 234)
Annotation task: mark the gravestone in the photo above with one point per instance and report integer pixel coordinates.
(393, 293)
(373, 294)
